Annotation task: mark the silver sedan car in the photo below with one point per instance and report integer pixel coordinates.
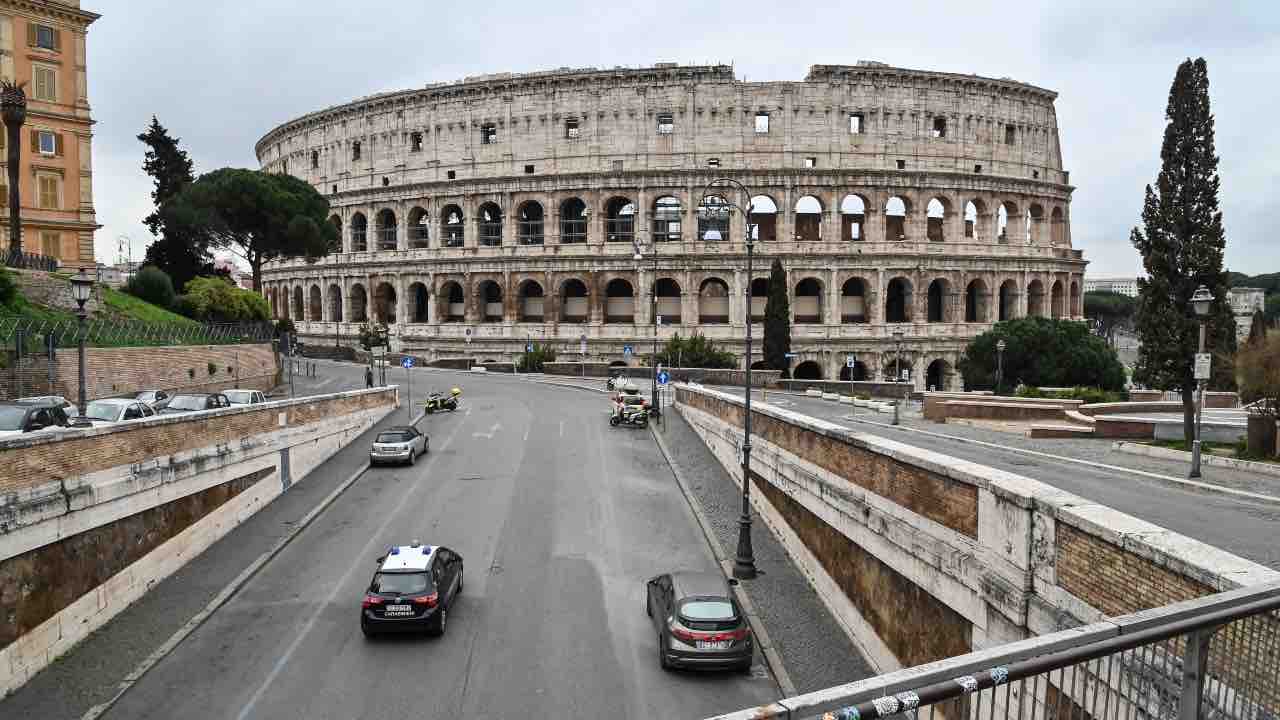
(398, 444)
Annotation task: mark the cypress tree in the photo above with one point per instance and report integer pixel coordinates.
(1181, 243)
(1257, 329)
(182, 255)
(777, 320)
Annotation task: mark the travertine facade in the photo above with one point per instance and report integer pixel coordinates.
(504, 208)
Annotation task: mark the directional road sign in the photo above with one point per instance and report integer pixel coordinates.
(406, 363)
(528, 347)
(626, 350)
(850, 361)
(663, 377)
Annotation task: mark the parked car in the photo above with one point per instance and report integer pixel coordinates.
(192, 403)
(245, 397)
(698, 621)
(22, 417)
(110, 411)
(413, 590)
(398, 444)
(157, 399)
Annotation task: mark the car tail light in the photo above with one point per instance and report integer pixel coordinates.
(690, 636)
(428, 600)
(686, 635)
(371, 600)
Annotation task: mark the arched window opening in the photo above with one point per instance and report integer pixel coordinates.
(668, 292)
(1058, 300)
(418, 313)
(490, 219)
(529, 224)
(936, 217)
(970, 221)
(316, 311)
(713, 302)
(759, 298)
(452, 226)
(808, 302)
(1008, 300)
(853, 217)
(619, 302)
(666, 219)
(975, 301)
(359, 304)
(1003, 213)
(1035, 224)
(937, 375)
(897, 369)
(297, 304)
(620, 220)
(895, 219)
(807, 370)
(455, 302)
(386, 230)
(898, 300)
(853, 301)
(531, 302)
(384, 303)
(359, 233)
(713, 218)
(573, 305)
(335, 303)
(764, 218)
(418, 228)
(808, 219)
(573, 221)
(938, 291)
(491, 301)
(1057, 227)
(1035, 299)
(1075, 310)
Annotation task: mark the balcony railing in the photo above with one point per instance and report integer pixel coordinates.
(529, 233)
(29, 261)
(573, 231)
(490, 234)
(620, 229)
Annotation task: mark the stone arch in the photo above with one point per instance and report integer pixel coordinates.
(976, 220)
(1058, 300)
(452, 224)
(896, 209)
(452, 302)
(574, 300)
(898, 300)
(573, 221)
(489, 224)
(532, 301)
(895, 367)
(939, 292)
(419, 228)
(386, 229)
(759, 297)
(975, 301)
(807, 305)
(808, 219)
(1006, 214)
(1057, 227)
(336, 221)
(619, 301)
(1076, 309)
(335, 302)
(384, 303)
(764, 216)
(296, 306)
(713, 302)
(761, 365)
(359, 304)
(1035, 224)
(937, 375)
(667, 215)
(359, 233)
(937, 212)
(853, 217)
(489, 293)
(857, 374)
(853, 300)
(1008, 301)
(1035, 298)
(315, 311)
(619, 219)
(807, 370)
(420, 309)
(668, 293)
(529, 223)
(713, 218)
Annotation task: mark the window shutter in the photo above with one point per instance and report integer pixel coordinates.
(31, 34)
(57, 40)
(57, 144)
(4, 196)
(35, 141)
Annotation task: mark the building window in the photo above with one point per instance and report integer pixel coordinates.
(452, 174)
(47, 142)
(50, 244)
(811, 162)
(571, 129)
(666, 123)
(855, 124)
(284, 166)
(43, 36)
(1035, 174)
(902, 164)
(762, 122)
(713, 162)
(977, 169)
(528, 169)
(385, 181)
(44, 83)
(335, 189)
(488, 134)
(939, 127)
(315, 159)
(617, 166)
(1009, 132)
(48, 188)
(355, 150)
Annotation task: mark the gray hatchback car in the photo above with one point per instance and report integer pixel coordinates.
(698, 622)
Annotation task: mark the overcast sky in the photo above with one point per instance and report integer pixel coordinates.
(219, 75)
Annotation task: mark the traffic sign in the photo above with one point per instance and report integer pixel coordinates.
(663, 377)
(1204, 363)
(626, 350)
(791, 355)
(850, 361)
(659, 319)
(528, 347)
(406, 362)
(468, 338)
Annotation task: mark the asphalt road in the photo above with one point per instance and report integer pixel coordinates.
(559, 518)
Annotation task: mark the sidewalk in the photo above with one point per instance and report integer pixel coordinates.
(814, 650)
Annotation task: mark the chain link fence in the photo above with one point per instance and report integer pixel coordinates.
(18, 332)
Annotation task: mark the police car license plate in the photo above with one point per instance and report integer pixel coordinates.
(713, 644)
(398, 610)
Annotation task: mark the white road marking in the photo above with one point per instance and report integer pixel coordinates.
(561, 428)
(492, 431)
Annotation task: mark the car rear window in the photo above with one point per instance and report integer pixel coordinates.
(400, 583)
(11, 418)
(707, 610)
(239, 396)
(187, 402)
(393, 437)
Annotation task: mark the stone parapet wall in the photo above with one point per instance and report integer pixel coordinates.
(111, 372)
(844, 387)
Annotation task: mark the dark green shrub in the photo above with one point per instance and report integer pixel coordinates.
(213, 369)
(152, 285)
(8, 289)
(533, 361)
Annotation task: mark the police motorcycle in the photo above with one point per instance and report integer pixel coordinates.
(439, 401)
(630, 410)
(615, 381)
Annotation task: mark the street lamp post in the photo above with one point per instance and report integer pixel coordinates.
(716, 206)
(897, 370)
(653, 313)
(1000, 346)
(1201, 302)
(81, 286)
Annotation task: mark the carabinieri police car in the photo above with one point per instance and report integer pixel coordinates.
(413, 589)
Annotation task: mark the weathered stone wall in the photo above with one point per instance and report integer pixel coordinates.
(118, 371)
(42, 288)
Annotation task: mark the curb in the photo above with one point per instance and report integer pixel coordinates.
(767, 651)
(226, 593)
(1206, 458)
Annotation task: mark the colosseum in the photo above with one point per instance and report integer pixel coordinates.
(906, 206)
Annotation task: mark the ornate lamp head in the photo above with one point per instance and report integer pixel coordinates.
(13, 102)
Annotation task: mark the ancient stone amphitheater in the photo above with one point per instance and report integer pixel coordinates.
(479, 215)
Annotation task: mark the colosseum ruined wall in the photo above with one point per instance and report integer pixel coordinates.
(479, 215)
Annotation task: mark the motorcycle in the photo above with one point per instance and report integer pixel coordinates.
(630, 415)
(440, 401)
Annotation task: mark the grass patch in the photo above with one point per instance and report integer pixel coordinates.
(1238, 450)
(120, 305)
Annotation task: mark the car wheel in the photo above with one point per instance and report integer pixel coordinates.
(426, 447)
(431, 410)
(442, 618)
(744, 668)
(648, 610)
(662, 655)
(365, 630)
(412, 457)
(613, 421)
(460, 578)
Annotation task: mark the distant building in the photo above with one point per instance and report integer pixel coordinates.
(1244, 302)
(112, 275)
(1124, 286)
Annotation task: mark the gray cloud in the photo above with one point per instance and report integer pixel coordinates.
(219, 75)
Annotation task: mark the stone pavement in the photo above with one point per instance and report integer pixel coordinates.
(814, 649)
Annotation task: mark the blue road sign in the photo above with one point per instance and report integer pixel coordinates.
(791, 355)
(406, 363)
(626, 350)
(663, 377)
(528, 347)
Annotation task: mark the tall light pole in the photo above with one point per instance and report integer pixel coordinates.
(13, 110)
(897, 370)
(1201, 302)
(653, 313)
(717, 207)
(81, 286)
(1000, 346)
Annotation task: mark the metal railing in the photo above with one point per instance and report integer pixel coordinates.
(29, 261)
(109, 333)
(1217, 658)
